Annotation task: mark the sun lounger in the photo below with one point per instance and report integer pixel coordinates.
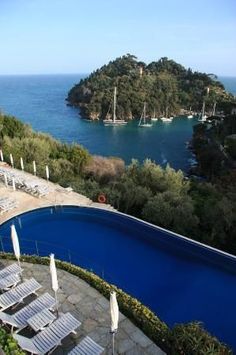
(7, 204)
(41, 320)
(87, 347)
(49, 338)
(20, 318)
(18, 294)
(10, 269)
(23, 181)
(10, 281)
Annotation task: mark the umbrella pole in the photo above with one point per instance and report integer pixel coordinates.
(113, 343)
(56, 303)
(21, 277)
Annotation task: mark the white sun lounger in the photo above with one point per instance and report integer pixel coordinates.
(87, 347)
(18, 294)
(7, 205)
(49, 338)
(10, 269)
(24, 182)
(9, 281)
(20, 318)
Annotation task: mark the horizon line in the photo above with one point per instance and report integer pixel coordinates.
(83, 73)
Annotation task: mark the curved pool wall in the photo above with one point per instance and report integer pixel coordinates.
(179, 279)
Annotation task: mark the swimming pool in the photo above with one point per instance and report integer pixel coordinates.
(180, 280)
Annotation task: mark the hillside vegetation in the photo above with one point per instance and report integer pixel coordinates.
(164, 85)
(205, 211)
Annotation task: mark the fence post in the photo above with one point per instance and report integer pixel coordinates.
(69, 255)
(36, 246)
(2, 245)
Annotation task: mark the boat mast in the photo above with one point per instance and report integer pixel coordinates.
(167, 110)
(214, 109)
(144, 113)
(114, 104)
(203, 109)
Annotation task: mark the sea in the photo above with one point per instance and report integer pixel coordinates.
(39, 100)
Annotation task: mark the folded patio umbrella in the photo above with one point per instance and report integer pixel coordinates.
(15, 243)
(114, 310)
(54, 279)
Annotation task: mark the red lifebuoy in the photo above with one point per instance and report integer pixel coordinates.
(102, 198)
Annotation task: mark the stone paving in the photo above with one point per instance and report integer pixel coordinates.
(92, 310)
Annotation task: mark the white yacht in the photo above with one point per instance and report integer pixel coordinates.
(154, 118)
(142, 122)
(114, 121)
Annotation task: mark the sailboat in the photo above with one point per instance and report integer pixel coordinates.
(214, 109)
(167, 119)
(202, 116)
(190, 115)
(142, 121)
(154, 118)
(114, 121)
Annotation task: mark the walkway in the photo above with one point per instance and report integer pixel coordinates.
(92, 309)
(57, 196)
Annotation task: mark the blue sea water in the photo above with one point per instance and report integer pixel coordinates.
(40, 101)
(229, 83)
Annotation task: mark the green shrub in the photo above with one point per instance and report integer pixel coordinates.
(8, 344)
(193, 339)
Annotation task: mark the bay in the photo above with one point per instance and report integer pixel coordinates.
(39, 100)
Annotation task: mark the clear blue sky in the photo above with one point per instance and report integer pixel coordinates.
(75, 36)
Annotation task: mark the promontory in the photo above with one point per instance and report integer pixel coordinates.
(163, 85)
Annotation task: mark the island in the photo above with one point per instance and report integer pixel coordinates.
(166, 88)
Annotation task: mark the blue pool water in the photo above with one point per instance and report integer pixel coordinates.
(178, 279)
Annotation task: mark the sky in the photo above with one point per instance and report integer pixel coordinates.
(75, 36)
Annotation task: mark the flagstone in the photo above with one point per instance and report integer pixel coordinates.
(92, 310)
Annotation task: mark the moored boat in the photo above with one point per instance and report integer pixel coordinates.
(114, 121)
(143, 122)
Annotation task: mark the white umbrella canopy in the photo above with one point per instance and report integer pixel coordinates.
(47, 172)
(1, 155)
(22, 163)
(34, 167)
(15, 242)
(11, 160)
(114, 310)
(54, 279)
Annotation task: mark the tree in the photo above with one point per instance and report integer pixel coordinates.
(172, 211)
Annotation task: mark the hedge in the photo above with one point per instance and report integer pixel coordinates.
(182, 339)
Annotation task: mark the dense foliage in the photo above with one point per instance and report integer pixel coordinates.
(165, 85)
(183, 339)
(201, 210)
(193, 339)
(20, 140)
(215, 200)
(8, 344)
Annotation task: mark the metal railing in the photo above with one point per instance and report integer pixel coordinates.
(40, 248)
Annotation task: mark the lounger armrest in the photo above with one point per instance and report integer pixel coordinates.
(8, 319)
